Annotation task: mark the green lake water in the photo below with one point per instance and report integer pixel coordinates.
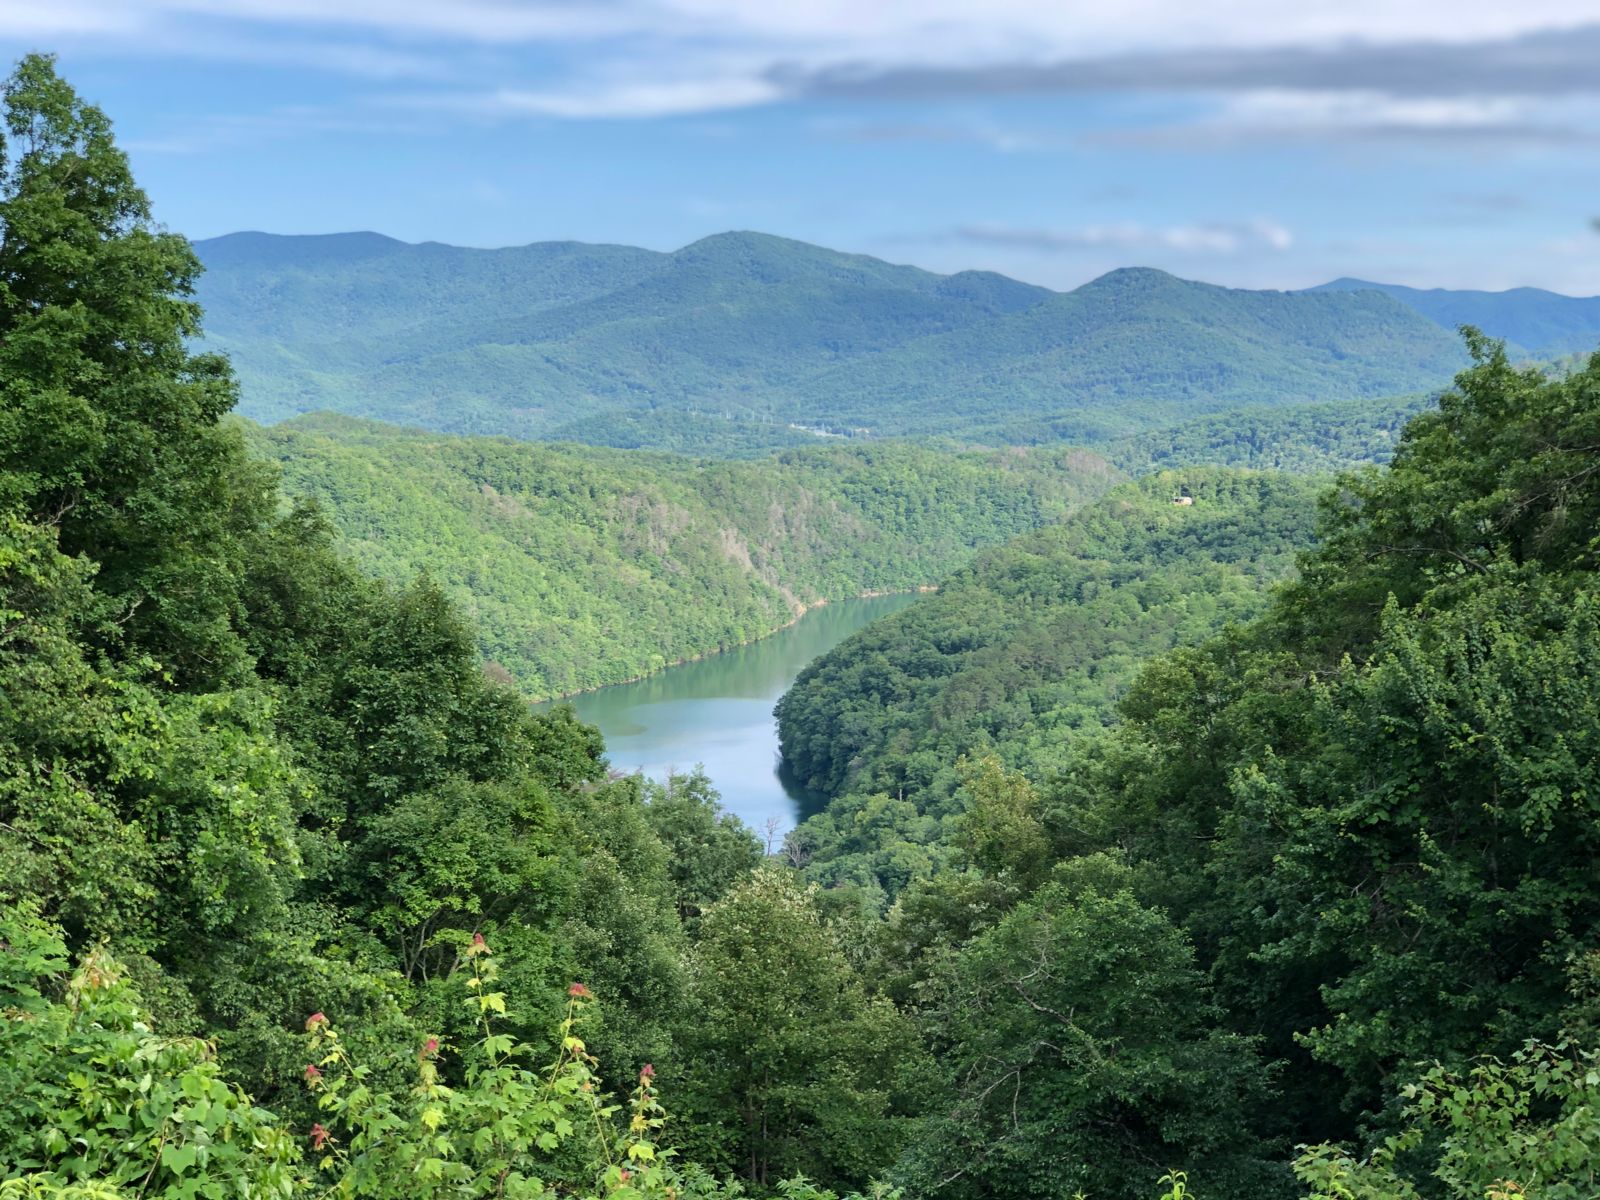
(717, 713)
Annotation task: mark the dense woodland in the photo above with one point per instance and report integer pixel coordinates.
(1364, 820)
(1307, 439)
(1532, 321)
(581, 566)
(1020, 655)
(1186, 884)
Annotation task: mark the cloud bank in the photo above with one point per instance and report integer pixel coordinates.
(582, 59)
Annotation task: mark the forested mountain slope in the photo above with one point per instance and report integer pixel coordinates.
(1543, 324)
(743, 341)
(1138, 349)
(1368, 807)
(1306, 439)
(582, 566)
(1026, 648)
(527, 340)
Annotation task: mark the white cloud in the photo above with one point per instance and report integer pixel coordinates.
(621, 58)
(1281, 108)
(820, 32)
(25, 19)
(666, 98)
(1496, 123)
(1216, 237)
(980, 133)
(457, 20)
(957, 29)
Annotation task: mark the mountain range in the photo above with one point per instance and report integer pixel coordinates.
(1538, 323)
(741, 342)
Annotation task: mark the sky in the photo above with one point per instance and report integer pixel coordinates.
(1255, 143)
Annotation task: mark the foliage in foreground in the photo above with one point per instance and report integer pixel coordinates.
(1500, 1130)
(96, 1105)
(95, 1102)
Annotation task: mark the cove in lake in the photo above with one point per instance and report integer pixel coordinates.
(717, 712)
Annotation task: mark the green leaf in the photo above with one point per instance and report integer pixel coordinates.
(178, 1159)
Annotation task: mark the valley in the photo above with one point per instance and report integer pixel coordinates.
(717, 714)
(756, 722)
(584, 566)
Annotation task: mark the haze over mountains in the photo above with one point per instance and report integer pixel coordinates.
(742, 341)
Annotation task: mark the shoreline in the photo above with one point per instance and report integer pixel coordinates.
(922, 589)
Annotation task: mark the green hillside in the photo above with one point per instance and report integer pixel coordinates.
(1542, 324)
(1138, 349)
(583, 566)
(1026, 648)
(1368, 806)
(325, 288)
(742, 341)
(1307, 439)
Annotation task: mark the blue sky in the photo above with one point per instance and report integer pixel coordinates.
(1252, 143)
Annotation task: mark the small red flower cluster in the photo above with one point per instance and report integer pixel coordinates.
(314, 1020)
(430, 1048)
(579, 992)
(479, 946)
(319, 1135)
(648, 1072)
(312, 1074)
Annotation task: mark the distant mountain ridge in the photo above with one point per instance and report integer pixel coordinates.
(744, 341)
(1539, 323)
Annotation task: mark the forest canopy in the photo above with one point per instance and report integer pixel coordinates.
(581, 566)
(1205, 872)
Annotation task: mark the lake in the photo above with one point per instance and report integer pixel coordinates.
(717, 712)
